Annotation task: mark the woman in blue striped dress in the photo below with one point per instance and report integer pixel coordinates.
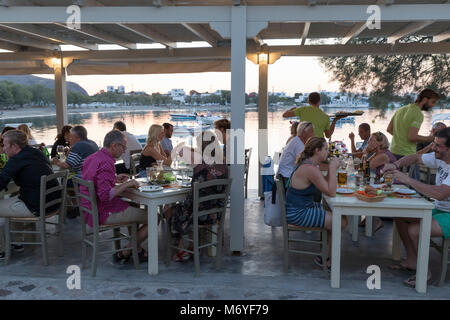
(305, 188)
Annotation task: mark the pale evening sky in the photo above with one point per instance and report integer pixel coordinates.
(288, 74)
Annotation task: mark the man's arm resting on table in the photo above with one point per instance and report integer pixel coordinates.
(440, 193)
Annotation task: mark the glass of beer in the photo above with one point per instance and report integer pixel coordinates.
(388, 179)
(342, 178)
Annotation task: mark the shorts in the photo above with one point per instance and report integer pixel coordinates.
(443, 218)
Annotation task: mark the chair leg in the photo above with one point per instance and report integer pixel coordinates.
(285, 250)
(444, 260)
(95, 254)
(134, 245)
(324, 253)
(116, 234)
(196, 250)
(219, 246)
(7, 240)
(43, 234)
(60, 234)
(83, 246)
(168, 237)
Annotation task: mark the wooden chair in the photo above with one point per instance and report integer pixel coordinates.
(444, 251)
(97, 229)
(248, 154)
(216, 241)
(135, 156)
(287, 228)
(42, 220)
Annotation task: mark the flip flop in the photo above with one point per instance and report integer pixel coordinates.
(411, 281)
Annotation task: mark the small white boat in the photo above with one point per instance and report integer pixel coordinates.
(15, 125)
(183, 116)
(208, 119)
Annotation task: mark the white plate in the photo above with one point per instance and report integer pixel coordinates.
(142, 180)
(185, 185)
(391, 191)
(150, 188)
(344, 190)
(377, 186)
(406, 191)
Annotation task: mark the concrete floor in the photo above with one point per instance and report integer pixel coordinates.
(256, 274)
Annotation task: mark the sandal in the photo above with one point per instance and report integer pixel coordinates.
(182, 256)
(411, 281)
(400, 267)
(143, 256)
(318, 260)
(120, 258)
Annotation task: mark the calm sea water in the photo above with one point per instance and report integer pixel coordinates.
(138, 122)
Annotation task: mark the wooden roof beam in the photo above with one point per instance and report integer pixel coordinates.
(25, 41)
(409, 29)
(149, 33)
(201, 32)
(101, 35)
(38, 31)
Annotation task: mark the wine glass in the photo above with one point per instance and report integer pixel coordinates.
(160, 164)
(60, 151)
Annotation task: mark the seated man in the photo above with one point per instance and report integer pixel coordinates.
(424, 147)
(166, 142)
(408, 228)
(305, 130)
(99, 168)
(132, 144)
(80, 148)
(364, 134)
(25, 167)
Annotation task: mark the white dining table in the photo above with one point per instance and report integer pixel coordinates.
(153, 200)
(389, 207)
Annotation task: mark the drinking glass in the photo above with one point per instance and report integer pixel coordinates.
(60, 151)
(388, 179)
(342, 178)
(151, 173)
(160, 164)
(359, 181)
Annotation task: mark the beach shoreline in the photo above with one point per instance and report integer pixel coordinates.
(21, 113)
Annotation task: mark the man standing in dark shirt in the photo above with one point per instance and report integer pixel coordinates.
(25, 166)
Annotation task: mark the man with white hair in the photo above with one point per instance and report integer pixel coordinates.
(296, 146)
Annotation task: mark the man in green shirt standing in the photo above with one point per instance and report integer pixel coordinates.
(405, 124)
(315, 115)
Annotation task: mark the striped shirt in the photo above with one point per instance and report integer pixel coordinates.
(79, 152)
(100, 169)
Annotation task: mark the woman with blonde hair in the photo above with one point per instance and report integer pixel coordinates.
(306, 185)
(25, 129)
(153, 150)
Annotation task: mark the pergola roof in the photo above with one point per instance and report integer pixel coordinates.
(35, 29)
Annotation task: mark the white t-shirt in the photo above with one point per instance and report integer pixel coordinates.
(442, 177)
(132, 144)
(289, 155)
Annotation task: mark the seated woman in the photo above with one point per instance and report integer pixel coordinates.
(211, 168)
(378, 147)
(307, 183)
(153, 150)
(62, 139)
(25, 129)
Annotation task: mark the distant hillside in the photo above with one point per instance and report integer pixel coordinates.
(49, 83)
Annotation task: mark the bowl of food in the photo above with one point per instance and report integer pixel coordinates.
(370, 194)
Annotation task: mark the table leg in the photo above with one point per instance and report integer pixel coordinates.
(152, 212)
(354, 228)
(423, 252)
(336, 248)
(396, 244)
(369, 226)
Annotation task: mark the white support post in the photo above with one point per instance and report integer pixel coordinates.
(262, 115)
(60, 96)
(238, 56)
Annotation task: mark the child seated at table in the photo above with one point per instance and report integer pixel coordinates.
(305, 184)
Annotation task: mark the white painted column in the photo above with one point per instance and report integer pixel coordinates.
(238, 56)
(263, 142)
(60, 96)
